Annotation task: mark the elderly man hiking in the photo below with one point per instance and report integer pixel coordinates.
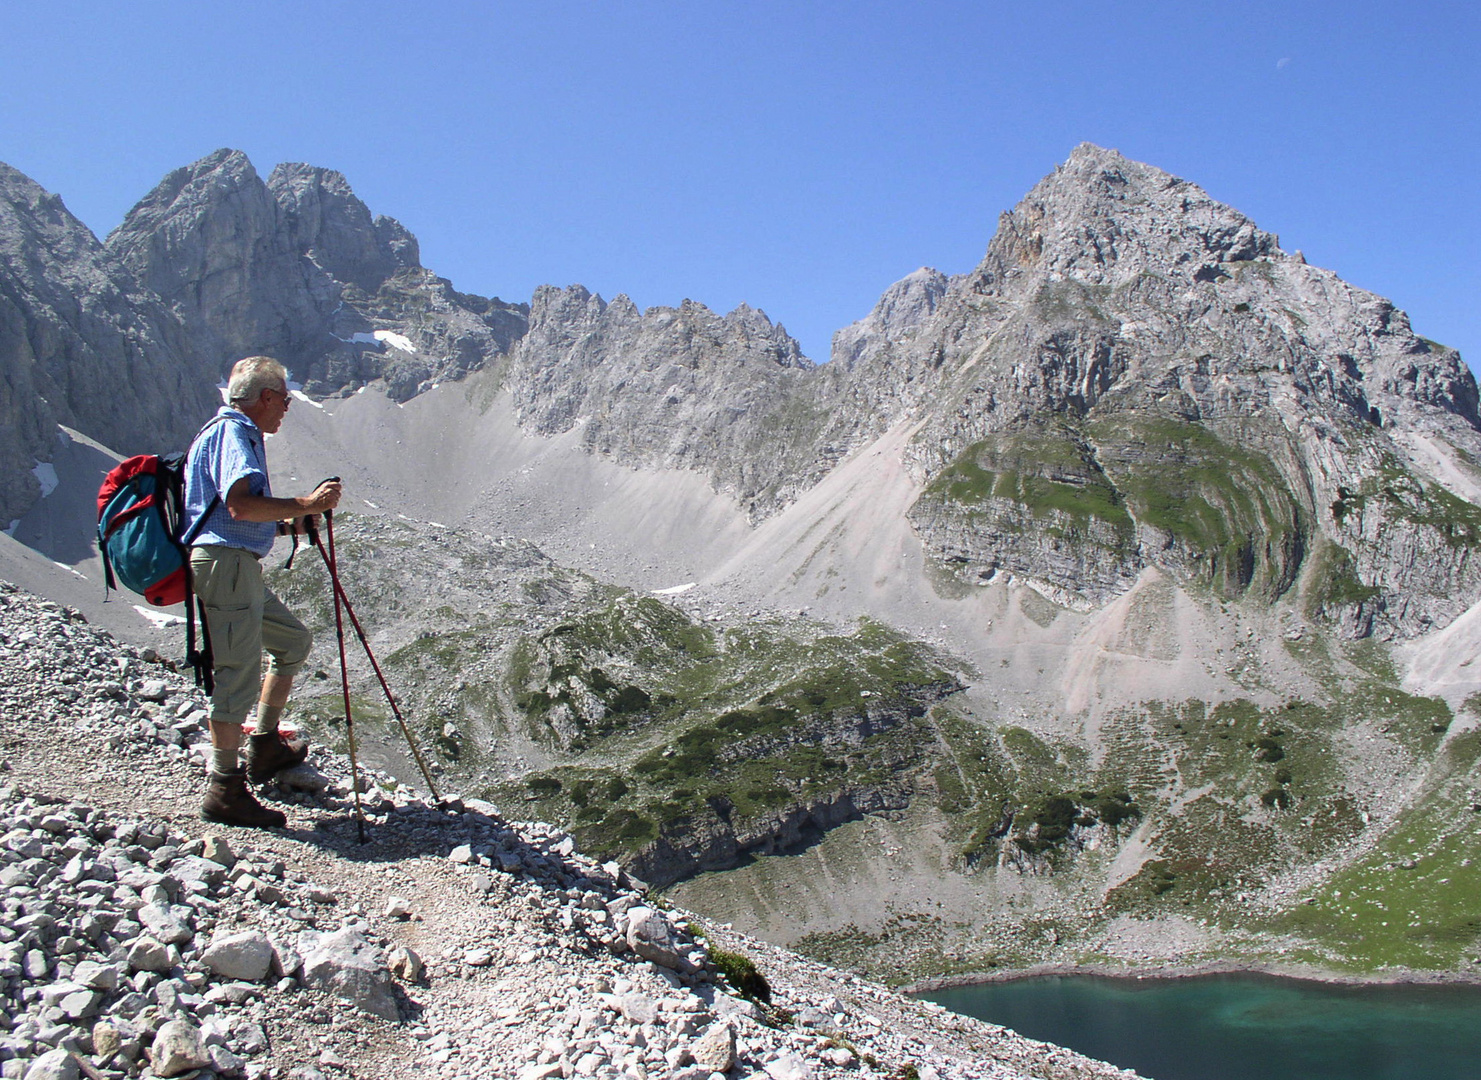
(226, 483)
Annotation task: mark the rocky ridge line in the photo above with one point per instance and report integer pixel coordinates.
(1135, 376)
(671, 388)
(134, 938)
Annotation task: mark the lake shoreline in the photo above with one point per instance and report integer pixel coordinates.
(1299, 972)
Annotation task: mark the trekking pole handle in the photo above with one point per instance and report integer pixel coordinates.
(329, 480)
(308, 521)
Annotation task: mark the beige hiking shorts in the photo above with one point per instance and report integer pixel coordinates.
(245, 618)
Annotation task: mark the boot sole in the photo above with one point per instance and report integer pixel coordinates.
(223, 819)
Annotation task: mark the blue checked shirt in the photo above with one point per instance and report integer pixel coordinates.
(229, 449)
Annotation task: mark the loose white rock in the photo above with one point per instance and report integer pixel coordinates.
(178, 1048)
(715, 1049)
(248, 955)
(350, 967)
(147, 954)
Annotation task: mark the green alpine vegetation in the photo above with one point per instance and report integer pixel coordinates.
(689, 746)
(1048, 473)
(1226, 505)
(745, 728)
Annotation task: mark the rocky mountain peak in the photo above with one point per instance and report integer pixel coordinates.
(297, 268)
(571, 327)
(671, 386)
(336, 229)
(551, 305)
(205, 240)
(904, 306)
(187, 212)
(213, 178)
(757, 329)
(38, 222)
(1128, 353)
(1136, 375)
(1101, 219)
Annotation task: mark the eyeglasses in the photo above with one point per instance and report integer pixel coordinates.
(287, 397)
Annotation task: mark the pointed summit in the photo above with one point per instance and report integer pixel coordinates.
(1102, 219)
(205, 239)
(328, 220)
(1139, 372)
(904, 305)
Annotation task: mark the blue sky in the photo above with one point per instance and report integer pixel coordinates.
(799, 157)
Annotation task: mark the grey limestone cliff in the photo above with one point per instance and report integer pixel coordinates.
(297, 268)
(671, 388)
(80, 344)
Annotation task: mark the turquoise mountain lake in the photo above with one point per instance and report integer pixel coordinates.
(1242, 1027)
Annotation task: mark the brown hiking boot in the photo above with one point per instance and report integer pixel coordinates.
(229, 802)
(269, 753)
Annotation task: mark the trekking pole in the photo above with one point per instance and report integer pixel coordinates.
(344, 678)
(340, 597)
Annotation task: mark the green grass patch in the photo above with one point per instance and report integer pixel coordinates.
(741, 973)
(1402, 495)
(1227, 503)
(1046, 471)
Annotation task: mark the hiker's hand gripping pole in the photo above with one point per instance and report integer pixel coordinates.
(340, 598)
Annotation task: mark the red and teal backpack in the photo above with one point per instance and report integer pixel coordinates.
(141, 510)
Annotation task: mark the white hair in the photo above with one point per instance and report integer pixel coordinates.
(250, 377)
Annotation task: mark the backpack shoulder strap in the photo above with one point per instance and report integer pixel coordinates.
(200, 522)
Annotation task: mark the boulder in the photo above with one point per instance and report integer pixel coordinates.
(163, 924)
(350, 967)
(225, 1062)
(147, 954)
(789, 1067)
(715, 1049)
(218, 850)
(178, 1048)
(725, 1006)
(286, 960)
(247, 955)
(79, 1005)
(106, 1039)
(56, 1064)
(302, 777)
(638, 1008)
(405, 964)
(652, 937)
(96, 976)
(198, 868)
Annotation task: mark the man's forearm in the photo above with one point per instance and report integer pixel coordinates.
(266, 507)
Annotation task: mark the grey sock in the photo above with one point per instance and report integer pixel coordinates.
(224, 761)
(268, 717)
